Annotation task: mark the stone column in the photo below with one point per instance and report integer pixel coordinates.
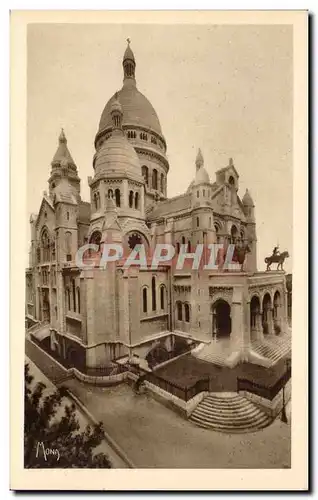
(134, 307)
(125, 203)
(259, 326)
(237, 321)
(270, 321)
(60, 299)
(142, 201)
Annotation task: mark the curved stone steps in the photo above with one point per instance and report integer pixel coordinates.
(231, 414)
(273, 348)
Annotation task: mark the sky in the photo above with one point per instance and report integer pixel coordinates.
(226, 89)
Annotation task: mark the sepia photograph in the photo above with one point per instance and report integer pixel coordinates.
(159, 245)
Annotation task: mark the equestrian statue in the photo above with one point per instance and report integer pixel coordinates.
(276, 257)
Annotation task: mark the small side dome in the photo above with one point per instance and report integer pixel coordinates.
(117, 157)
(247, 199)
(201, 177)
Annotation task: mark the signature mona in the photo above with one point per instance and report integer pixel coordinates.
(41, 449)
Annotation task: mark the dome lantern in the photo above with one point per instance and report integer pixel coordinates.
(129, 63)
(199, 162)
(116, 112)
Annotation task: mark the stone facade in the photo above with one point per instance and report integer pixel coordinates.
(98, 314)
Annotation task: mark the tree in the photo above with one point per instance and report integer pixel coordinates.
(52, 439)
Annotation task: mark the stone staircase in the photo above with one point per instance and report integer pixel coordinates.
(229, 413)
(53, 370)
(274, 347)
(215, 352)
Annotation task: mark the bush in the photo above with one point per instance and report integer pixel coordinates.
(53, 439)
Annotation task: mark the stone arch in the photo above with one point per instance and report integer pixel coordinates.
(163, 296)
(234, 234)
(117, 197)
(155, 179)
(255, 311)
(131, 199)
(277, 311)
(45, 243)
(178, 310)
(145, 174)
(135, 237)
(144, 299)
(267, 313)
(187, 312)
(221, 318)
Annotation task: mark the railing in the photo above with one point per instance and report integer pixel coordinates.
(267, 392)
(183, 392)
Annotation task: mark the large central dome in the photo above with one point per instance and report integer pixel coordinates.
(136, 108)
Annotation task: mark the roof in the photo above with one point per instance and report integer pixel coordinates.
(84, 212)
(201, 177)
(62, 152)
(129, 54)
(226, 168)
(137, 110)
(63, 192)
(171, 206)
(247, 200)
(117, 156)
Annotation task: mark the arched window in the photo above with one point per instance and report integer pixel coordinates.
(144, 300)
(198, 222)
(203, 192)
(68, 245)
(68, 215)
(136, 201)
(145, 174)
(74, 295)
(231, 181)
(45, 243)
(210, 222)
(131, 199)
(162, 183)
(110, 193)
(187, 312)
(96, 239)
(117, 197)
(154, 179)
(198, 194)
(179, 311)
(153, 293)
(162, 296)
(233, 234)
(183, 240)
(217, 231)
(189, 246)
(178, 247)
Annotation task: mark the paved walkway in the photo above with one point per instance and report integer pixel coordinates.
(154, 436)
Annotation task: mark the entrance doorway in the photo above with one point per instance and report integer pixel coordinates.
(221, 315)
